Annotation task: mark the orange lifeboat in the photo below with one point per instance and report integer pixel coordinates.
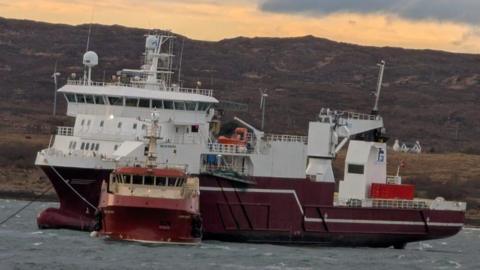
(239, 137)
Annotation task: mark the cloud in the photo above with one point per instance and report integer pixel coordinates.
(459, 11)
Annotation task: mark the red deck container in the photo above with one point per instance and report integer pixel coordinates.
(390, 191)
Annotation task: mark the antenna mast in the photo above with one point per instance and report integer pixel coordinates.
(263, 104)
(379, 86)
(54, 76)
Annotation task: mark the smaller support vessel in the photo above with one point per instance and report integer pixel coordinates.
(150, 204)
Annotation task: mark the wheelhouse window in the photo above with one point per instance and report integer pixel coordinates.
(168, 105)
(160, 181)
(190, 106)
(180, 105)
(137, 180)
(97, 146)
(171, 181)
(70, 97)
(203, 106)
(82, 146)
(89, 99)
(148, 180)
(115, 101)
(355, 169)
(156, 103)
(131, 102)
(134, 125)
(101, 123)
(87, 146)
(80, 98)
(119, 125)
(144, 103)
(99, 99)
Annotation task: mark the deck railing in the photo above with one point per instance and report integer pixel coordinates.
(204, 92)
(286, 138)
(437, 204)
(228, 148)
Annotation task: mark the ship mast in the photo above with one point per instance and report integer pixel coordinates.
(379, 87)
(152, 136)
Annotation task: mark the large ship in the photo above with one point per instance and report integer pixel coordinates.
(255, 186)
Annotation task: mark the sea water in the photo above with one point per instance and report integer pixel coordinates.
(24, 246)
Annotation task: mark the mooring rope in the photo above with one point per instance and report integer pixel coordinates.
(72, 188)
(27, 205)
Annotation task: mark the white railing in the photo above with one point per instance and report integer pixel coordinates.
(227, 148)
(65, 131)
(348, 115)
(204, 92)
(213, 168)
(437, 204)
(286, 138)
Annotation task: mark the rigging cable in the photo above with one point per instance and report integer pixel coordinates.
(27, 205)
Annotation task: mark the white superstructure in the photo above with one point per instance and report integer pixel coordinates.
(109, 129)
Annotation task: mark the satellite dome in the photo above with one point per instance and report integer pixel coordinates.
(151, 42)
(90, 59)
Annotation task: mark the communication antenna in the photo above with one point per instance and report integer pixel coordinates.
(55, 76)
(379, 86)
(263, 104)
(180, 64)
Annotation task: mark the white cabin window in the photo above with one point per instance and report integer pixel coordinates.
(144, 103)
(134, 125)
(115, 101)
(168, 105)
(82, 147)
(87, 146)
(92, 146)
(70, 97)
(74, 145)
(101, 123)
(144, 127)
(115, 147)
(97, 146)
(158, 104)
(203, 106)
(99, 100)
(131, 102)
(119, 125)
(83, 122)
(180, 105)
(191, 106)
(80, 98)
(355, 168)
(89, 99)
(89, 122)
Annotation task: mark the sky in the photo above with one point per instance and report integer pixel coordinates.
(451, 25)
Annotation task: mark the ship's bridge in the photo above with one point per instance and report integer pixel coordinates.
(126, 100)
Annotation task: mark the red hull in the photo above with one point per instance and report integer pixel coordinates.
(294, 211)
(150, 220)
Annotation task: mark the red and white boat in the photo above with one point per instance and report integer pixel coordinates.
(255, 186)
(150, 204)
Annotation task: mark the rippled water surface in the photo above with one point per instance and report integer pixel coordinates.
(24, 246)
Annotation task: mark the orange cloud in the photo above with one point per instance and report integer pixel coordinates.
(215, 20)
